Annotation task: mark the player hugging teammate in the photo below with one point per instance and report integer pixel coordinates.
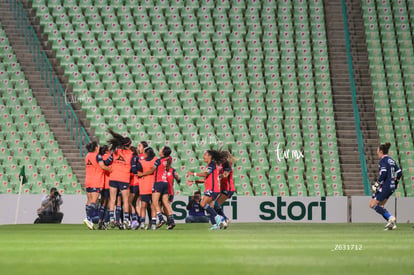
(139, 182)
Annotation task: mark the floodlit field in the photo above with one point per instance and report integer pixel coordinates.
(193, 249)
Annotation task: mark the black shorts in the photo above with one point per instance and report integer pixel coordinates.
(119, 185)
(227, 193)
(93, 190)
(134, 189)
(211, 194)
(383, 193)
(146, 198)
(105, 193)
(160, 187)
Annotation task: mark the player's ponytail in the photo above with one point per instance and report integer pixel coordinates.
(91, 146)
(216, 156)
(228, 157)
(384, 148)
(166, 151)
(118, 141)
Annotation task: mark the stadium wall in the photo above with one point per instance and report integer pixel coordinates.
(239, 209)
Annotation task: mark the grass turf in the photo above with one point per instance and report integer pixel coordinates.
(250, 248)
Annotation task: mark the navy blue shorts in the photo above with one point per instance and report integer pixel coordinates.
(170, 198)
(160, 187)
(93, 190)
(227, 193)
(383, 193)
(146, 198)
(105, 193)
(119, 185)
(134, 189)
(211, 194)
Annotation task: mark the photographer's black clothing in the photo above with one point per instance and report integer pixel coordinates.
(49, 217)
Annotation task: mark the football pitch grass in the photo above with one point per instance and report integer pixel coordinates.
(244, 248)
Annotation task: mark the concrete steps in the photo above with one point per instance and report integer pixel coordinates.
(40, 92)
(345, 126)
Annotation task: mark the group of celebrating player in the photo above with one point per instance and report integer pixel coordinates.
(134, 181)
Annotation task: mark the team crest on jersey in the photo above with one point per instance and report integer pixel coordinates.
(89, 162)
(168, 174)
(120, 158)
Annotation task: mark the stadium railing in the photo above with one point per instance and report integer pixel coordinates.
(77, 132)
(355, 104)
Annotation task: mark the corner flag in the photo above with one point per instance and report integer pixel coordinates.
(22, 176)
(23, 180)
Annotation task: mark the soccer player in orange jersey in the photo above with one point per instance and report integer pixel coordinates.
(146, 182)
(104, 210)
(94, 180)
(123, 163)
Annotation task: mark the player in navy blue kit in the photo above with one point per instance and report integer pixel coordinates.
(389, 175)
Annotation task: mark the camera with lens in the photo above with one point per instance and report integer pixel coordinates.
(56, 195)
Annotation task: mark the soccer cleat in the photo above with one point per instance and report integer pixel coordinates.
(134, 225)
(112, 224)
(214, 227)
(142, 226)
(223, 224)
(127, 224)
(218, 221)
(100, 225)
(171, 226)
(391, 223)
(153, 227)
(88, 223)
(119, 225)
(226, 223)
(162, 222)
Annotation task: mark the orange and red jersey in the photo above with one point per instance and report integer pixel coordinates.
(161, 169)
(170, 179)
(146, 182)
(212, 182)
(141, 157)
(121, 165)
(226, 183)
(94, 177)
(134, 180)
(106, 173)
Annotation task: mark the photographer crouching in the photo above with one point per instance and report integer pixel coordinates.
(49, 211)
